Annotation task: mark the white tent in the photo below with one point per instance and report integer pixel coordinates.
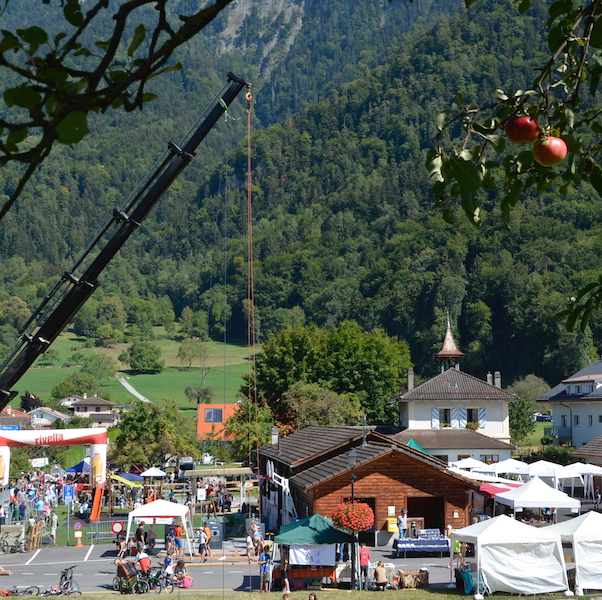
(588, 471)
(585, 533)
(516, 558)
(511, 465)
(153, 472)
(544, 468)
(536, 494)
(163, 513)
(468, 463)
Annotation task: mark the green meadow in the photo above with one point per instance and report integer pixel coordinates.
(227, 364)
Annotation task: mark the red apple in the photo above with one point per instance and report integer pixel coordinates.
(522, 130)
(549, 151)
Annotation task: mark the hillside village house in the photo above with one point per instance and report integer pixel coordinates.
(576, 407)
(13, 418)
(44, 417)
(99, 410)
(308, 472)
(455, 415)
(211, 419)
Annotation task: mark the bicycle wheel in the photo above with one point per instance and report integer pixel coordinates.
(116, 582)
(71, 586)
(168, 585)
(3, 547)
(125, 586)
(32, 590)
(22, 546)
(141, 587)
(156, 585)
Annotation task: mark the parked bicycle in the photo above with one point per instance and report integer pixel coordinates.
(129, 580)
(13, 544)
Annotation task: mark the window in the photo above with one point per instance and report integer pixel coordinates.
(564, 421)
(577, 389)
(444, 417)
(576, 420)
(213, 415)
(443, 457)
(472, 415)
(98, 409)
(490, 458)
(599, 418)
(590, 420)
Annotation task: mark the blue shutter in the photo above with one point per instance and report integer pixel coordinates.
(482, 418)
(462, 417)
(454, 418)
(435, 418)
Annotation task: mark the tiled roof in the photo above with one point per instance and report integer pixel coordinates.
(309, 442)
(590, 374)
(12, 412)
(339, 464)
(449, 349)
(92, 401)
(455, 385)
(592, 449)
(452, 438)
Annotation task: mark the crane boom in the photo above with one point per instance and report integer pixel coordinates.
(71, 292)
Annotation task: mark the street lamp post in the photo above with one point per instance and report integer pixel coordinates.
(352, 461)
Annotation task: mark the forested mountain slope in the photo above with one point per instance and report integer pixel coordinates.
(342, 202)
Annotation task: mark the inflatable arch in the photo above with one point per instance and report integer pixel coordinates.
(96, 437)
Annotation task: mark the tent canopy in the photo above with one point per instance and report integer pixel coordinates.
(469, 463)
(514, 557)
(586, 527)
(413, 444)
(536, 494)
(312, 530)
(80, 467)
(153, 472)
(511, 465)
(127, 482)
(131, 477)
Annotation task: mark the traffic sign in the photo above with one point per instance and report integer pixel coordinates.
(77, 526)
(68, 493)
(117, 527)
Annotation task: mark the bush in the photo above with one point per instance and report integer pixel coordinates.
(546, 440)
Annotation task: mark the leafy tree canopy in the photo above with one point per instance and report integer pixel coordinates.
(369, 365)
(75, 384)
(143, 357)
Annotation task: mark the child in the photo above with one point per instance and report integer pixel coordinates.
(167, 564)
(180, 572)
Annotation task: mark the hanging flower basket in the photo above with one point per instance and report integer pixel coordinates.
(354, 517)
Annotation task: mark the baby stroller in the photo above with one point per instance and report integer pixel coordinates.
(128, 581)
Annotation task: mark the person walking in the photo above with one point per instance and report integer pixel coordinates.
(54, 523)
(364, 564)
(264, 569)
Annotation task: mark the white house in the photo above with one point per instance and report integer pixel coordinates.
(576, 407)
(455, 415)
(98, 409)
(43, 417)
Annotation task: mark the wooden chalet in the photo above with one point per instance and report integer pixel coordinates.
(308, 472)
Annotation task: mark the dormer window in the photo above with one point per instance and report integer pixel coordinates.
(453, 384)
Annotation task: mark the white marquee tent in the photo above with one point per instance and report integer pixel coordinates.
(469, 463)
(549, 470)
(536, 494)
(511, 465)
(516, 558)
(164, 513)
(585, 533)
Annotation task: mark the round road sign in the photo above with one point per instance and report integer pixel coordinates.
(117, 527)
(77, 526)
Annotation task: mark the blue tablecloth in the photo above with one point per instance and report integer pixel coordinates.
(424, 546)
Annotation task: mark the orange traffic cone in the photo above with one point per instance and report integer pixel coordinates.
(78, 542)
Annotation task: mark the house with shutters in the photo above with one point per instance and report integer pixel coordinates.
(455, 415)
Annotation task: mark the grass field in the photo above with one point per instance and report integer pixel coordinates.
(227, 364)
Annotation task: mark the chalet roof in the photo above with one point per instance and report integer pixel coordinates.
(51, 411)
(592, 373)
(339, 464)
(590, 450)
(12, 412)
(452, 438)
(93, 401)
(310, 442)
(455, 385)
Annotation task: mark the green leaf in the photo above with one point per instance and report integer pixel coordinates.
(33, 35)
(569, 116)
(148, 97)
(441, 118)
(524, 160)
(448, 216)
(73, 13)
(434, 164)
(9, 41)
(595, 39)
(469, 3)
(596, 180)
(524, 6)
(21, 96)
(559, 8)
(466, 174)
(16, 137)
(515, 191)
(73, 127)
(471, 208)
(588, 288)
(102, 45)
(82, 52)
(500, 94)
(572, 318)
(488, 181)
(59, 37)
(56, 75)
(137, 39)
(573, 144)
(556, 37)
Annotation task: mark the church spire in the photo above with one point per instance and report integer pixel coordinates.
(449, 351)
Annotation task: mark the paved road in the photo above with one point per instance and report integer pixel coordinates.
(95, 568)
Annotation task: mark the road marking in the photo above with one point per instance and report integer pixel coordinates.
(234, 571)
(89, 552)
(34, 555)
(207, 572)
(52, 574)
(26, 573)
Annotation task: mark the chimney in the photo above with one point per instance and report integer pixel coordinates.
(275, 435)
(85, 395)
(410, 379)
(497, 379)
(489, 378)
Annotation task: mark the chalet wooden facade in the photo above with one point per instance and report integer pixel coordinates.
(299, 481)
